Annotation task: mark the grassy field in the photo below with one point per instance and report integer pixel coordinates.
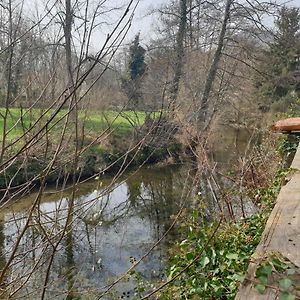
(94, 122)
(22, 128)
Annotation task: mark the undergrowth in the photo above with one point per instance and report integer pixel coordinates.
(223, 263)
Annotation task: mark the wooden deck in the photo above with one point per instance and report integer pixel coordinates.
(282, 238)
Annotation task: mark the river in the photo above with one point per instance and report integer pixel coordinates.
(112, 225)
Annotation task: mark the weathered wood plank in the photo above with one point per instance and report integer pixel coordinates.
(281, 235)
(287, 125)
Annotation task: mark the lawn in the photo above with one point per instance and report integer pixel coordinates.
(94, 122)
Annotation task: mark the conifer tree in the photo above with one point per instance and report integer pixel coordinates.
(136, 68)
(280, 61)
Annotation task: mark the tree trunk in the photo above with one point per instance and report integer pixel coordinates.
(179, 51)
(68, 39)
(69, 63)
(203, 111)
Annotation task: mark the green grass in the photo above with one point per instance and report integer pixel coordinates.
(22, 127)
(94, 122)
(120, 123)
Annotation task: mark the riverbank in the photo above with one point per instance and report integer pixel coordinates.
(127, 145)
(212, 259)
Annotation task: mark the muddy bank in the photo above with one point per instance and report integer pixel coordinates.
(93, 161)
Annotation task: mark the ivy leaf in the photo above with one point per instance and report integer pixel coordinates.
(291, 271)
(263, 279)
(286, 296)
(285, 283)
(204, 261)
(278, 264)
(232, 256)
(265, 269)
(260, 288)
(189, 256)
(237, 277)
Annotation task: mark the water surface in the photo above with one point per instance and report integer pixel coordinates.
(112, 224)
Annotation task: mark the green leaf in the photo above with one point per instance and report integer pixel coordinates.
(265, 269)
(216, 288)
(232, 256)
(204, 261)
(278, 264)
(263, 279)
(260, 288)
(238, 277)
(291, 271)
(195, 214)
(199, 290)
(189, 256)
(286, 296)
(173, 270)
(285, 283)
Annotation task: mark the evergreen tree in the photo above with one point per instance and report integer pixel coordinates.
(280, 61)
(137, 65)
(136, 68)
(286, 44)
(287, 28)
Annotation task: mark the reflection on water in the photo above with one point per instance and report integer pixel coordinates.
(100, 234)
(107, 231)
(231, 143)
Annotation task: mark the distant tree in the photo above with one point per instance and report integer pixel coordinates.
(136, 68)
(280, 61)
(137, 65)
(286, 42)
(288, 25)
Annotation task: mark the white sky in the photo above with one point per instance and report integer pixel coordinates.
(143, 22)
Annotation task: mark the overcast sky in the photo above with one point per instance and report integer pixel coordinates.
(144, 22)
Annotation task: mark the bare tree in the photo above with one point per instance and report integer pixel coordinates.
(179, 58)
(214, 66)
